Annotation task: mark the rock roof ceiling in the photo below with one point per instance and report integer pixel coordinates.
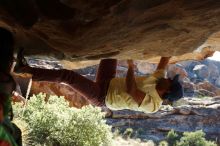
(94, 29)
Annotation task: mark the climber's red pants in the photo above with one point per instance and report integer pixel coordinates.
(94, 91)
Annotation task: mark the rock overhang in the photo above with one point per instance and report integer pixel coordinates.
(126, 29)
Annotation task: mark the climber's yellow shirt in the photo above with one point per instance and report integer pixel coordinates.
(117, 98)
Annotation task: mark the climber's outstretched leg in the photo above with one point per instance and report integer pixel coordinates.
(93, 91)
(84, 86)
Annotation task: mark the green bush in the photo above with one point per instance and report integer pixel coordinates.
(55, 123)
(163, 143)
(128, 133)
(172, 137)
(196, 138)
(24, 127)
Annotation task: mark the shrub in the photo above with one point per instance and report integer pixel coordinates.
(172, 137)
(196, 138)
(55, 123)
(26, 138)
(163, 143)
(127, 133)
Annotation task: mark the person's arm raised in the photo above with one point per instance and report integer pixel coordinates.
(131, 85)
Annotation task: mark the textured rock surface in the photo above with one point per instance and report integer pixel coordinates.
(138, 29)
(73, 97)
(191, 115)
(176, 69)
(59, 89)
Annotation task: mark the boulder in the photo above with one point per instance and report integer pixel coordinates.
(146, 67)
(213, 74)
(188, 88)
(203, 93)
(189, 115)
(207, 86)
(217, 82)
(202, 72)
(59, 89)
(73, 97)
(123, 29)
(177, 69)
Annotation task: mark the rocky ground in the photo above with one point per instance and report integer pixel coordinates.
(186, 115)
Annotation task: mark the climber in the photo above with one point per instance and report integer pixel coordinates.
(10, 134)
(144, 94)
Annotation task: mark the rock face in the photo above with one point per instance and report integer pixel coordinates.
(201, 71)
(138, 29)
(198, 78)
(191, 115)
(59, 89)
(177, 69)
(203, 76)
(73, 97)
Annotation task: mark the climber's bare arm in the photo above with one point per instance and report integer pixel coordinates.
(131, 85)
(163, 63)
(132, 89)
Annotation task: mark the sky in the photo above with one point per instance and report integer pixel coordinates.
(216, 56)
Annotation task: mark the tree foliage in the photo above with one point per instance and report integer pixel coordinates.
(196, 138)
(55, 123)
